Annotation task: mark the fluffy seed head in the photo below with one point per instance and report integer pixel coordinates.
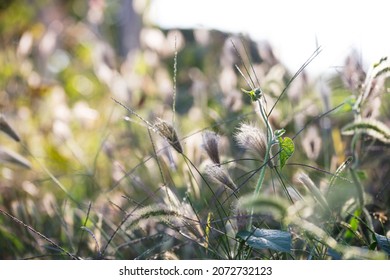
(168, 132)
(252, 139)
(218, 174)
(210, 144)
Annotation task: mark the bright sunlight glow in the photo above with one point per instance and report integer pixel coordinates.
(294, 28)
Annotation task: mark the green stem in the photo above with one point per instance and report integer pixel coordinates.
(359, 187)
(354, 143)
(357, 183)
(361, 198)
(266, 158)
(270, 134)
(262, 174)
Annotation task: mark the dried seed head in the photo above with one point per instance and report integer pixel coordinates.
(168, 132)
(353, 73)
(210, 144)
(251, 138)
(218, 174)
(312, 143)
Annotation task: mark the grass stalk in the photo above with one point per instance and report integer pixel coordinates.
(260, 180)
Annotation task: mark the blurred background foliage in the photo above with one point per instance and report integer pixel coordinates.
(62, 62)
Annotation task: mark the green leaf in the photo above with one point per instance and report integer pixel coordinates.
(286, 150)
(362, 175)
(383, 243)
(273, 239)
(349, 103)
(373, 128)
(354, 225)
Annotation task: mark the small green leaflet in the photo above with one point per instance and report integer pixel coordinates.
(353, 225)
(255, 94)
(286, 150)
(349, 104)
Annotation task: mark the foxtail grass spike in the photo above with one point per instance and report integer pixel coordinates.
(210, 145)
(168, 132)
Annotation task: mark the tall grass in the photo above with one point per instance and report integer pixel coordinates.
(217, 152)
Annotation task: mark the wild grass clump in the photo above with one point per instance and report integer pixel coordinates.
(202, 147)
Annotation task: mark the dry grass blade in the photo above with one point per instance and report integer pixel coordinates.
(304, 65)
(8, 156)
(39, 234)
(7, 129)
(94, 238)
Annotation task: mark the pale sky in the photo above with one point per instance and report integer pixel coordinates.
(292, 27)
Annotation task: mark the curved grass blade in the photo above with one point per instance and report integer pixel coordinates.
(7, 129)
(9, 156)
(94, 238)
(40, 235)
(297, 73)
(340, 169)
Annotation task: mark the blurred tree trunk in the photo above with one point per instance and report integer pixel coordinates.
(130, 24)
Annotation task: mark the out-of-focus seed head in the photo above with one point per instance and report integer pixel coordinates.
(210, 144)
(218, 174)
(312, 143)
(242, 218)
(168, 132)
(251, 138)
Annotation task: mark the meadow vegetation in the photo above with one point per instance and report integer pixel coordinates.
(197, 144)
